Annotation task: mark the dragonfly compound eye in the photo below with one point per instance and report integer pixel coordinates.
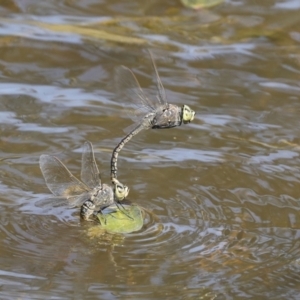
(188, 114)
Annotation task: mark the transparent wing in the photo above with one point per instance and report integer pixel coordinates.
(89, 171)
(77, 201)
(161, 96)
(129, 90)
(52, 201)
(72, 201)
(59, 180)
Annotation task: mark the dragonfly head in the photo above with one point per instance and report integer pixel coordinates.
(121, 191)
(187, 114)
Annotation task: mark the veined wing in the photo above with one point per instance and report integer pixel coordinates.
(77, 201)
(60, 181)
(161, 96)
(89, 171)
(71, 201)
(129, 89)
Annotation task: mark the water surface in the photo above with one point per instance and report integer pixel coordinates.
(221, 194)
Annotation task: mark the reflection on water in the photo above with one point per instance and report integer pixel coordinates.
(221, 195)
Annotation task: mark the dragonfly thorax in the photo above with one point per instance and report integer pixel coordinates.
(167, 117)
(102, 196)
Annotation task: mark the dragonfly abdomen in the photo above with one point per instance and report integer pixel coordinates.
(87, 209)
(114, 158)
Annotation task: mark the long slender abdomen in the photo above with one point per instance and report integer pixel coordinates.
(114, 158)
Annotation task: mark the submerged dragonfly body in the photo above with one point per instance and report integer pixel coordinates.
(89, 193)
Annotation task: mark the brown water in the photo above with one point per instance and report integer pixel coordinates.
(222, 193)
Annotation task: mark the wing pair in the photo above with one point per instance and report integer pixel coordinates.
(62, 183)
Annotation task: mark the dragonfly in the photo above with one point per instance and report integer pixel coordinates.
(88, 193)
(155, 114)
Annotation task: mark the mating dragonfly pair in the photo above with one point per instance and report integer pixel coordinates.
(89, 193)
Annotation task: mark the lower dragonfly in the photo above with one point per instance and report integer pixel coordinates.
(89, 193)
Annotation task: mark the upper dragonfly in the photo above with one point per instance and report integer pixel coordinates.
(88, 193)
(157, 114)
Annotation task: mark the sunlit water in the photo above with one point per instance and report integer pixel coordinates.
(221, 194)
